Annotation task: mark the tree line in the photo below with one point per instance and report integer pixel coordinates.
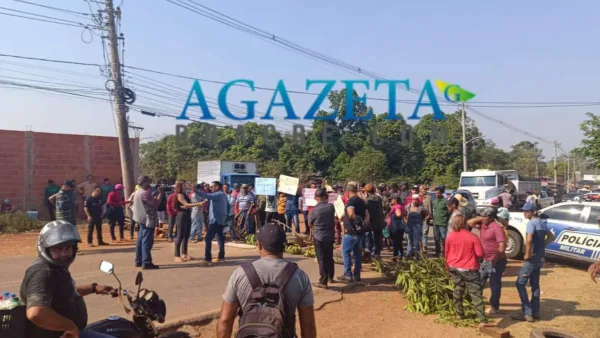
(349, 152)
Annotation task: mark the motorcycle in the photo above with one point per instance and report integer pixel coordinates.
(146, 306)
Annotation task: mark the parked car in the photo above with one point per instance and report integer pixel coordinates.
(572, 196)
(576, 226)
(592, 197)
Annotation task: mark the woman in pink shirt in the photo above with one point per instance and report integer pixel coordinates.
(463, 251)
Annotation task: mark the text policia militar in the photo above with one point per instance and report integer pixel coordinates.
(438, 136)
(452, 93)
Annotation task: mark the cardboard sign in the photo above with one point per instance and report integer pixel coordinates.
(265, 186)
(339, 207)
(333, 197)
(309, 197)
(288, 184)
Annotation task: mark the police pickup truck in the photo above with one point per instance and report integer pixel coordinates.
(576, 226)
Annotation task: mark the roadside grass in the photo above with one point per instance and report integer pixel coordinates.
(18, 221)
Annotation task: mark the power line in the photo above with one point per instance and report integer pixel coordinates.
(56, 20)
(54, 8)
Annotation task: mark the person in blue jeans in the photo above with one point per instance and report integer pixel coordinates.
(146, 215)
(415, 215)
(245, 204)
(291, 212)
(217, 214)
(352, 245)
(197, 215)
(538, 237)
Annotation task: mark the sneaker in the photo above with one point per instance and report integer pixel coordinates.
(138, 265)
(345, 279)
(320, 285)
(218, 260)
(492, 311)
(522, 317)
(204, 263)
(150, 267)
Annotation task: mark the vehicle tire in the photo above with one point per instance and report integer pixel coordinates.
(549, 333)
(514, 245)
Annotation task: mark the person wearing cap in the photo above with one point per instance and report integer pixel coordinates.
(5, 206)
(496, 276)
(297, 292)
(441, 217)
(245, 202)
(321, 221)
(64, 202)
(463, 251)
(464, 207)
(427, 205)
(453, 205)
(145, 214)
(375, 208)
(93, 209)
(493, 241)
(538, 237)
(292, 211)
(115, 204)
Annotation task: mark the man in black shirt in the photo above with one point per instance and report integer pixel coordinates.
(55, 305)
(355, 220)
(375, 208)
(93, 210)
(321, 220)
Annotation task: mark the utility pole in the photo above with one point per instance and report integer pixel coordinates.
(121, 113)
(555, 167)
(569, 172)
(537, 174)
(464, 138)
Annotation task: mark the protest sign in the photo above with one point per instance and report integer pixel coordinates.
(265, 186)
(308, 196)
(288, 184)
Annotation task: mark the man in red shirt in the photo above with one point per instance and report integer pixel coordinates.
(493, 241)
(463, 251)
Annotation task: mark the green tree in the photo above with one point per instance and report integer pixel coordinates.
(590, 145)
(367, 165)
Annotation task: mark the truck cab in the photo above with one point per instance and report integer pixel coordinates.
(483, 184)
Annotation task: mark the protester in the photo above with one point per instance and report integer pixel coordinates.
(427, 205)
(162, 206)
(291, 212)
(281, 201)
(377, 220)
(54, 302)
(304, 208)
(50, 190)
(63, 201)
(493, 241)
(261, 201)
(131, 208)
(172, 213)
(93, 210)
(506, 198)
(271, 210)
(355, 219)
(463, 251)
(453, 205)
(245, 202)
(105, 189)
(441, 216)
(397, 227)
(145, 214)
(270, 269)
(415, 214)
(230, 211)
(183, 221)
(197, 214)
(500, 266)
(115, 212)
(219, 204)
(538, 237)
(74, 206)
(236, 193)
(403, 193)
(321, 221)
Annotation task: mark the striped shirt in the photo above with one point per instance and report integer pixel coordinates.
(64, 207)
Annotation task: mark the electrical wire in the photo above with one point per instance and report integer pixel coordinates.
(55, 20)
(74, 13)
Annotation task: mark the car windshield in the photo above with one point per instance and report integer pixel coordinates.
(478, 181)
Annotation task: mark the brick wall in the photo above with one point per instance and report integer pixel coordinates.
(29, 159)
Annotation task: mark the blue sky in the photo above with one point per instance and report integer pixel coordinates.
(502, 51)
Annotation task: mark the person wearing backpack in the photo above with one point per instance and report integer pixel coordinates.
(267, 293)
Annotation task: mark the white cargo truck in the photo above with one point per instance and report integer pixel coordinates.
(231, 172)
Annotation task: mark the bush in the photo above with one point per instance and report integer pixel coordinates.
(18, 221)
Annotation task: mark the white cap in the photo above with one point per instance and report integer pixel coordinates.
(415, 196)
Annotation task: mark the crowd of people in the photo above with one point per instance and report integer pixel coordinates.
(472, 242)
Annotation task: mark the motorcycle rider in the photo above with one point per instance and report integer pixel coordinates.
(55, 305)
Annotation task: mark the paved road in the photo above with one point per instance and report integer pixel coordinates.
(186, 288)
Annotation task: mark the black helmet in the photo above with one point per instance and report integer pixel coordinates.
(57, 233)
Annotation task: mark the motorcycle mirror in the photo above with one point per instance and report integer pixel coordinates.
(139, 278)
(107, 267)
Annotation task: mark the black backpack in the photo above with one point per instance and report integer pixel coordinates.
(264, 316)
